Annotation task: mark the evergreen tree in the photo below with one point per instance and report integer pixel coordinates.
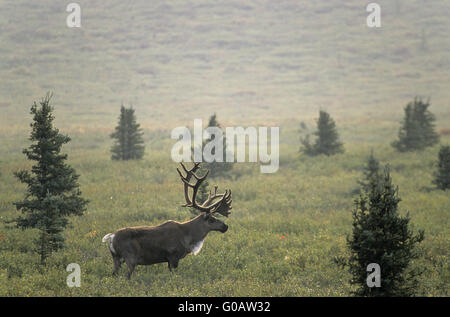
(417, 130)
(129, 144)
(442, 175)
(218, 169)
(53, 192)
(370, 171)
(382, 236)
(327, 138)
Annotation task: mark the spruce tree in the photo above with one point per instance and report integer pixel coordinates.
(417, 130)
(218, 169)
(327, 138)
(442, 175)
(370, 171)
(53, 193)
(380, 235)
(129, 144)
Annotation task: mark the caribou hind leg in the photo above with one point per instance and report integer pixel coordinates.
(117, 264)
(131, 266)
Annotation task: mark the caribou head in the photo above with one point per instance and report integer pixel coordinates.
(215, 203)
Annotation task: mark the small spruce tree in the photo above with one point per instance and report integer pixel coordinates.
(53, 193)
(370, 171)
(442, 175)
(380, 235)
(417, 130)
(218, 169)
(327, 138)
(129, 144)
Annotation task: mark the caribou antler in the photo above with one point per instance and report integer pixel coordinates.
(221, 206)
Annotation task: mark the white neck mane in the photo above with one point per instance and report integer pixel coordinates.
(197, 247)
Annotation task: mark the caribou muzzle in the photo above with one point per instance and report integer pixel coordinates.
(224, 228)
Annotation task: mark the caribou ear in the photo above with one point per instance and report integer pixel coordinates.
(207, 215)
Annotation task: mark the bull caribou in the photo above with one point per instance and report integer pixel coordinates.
(171, 241)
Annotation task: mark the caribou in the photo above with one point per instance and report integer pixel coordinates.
(171, 241)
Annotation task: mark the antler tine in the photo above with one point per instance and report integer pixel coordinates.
(185, 180)
(192, 170)
(195, 190)
(183, 166)
(224, 205)
(202, 178)
(211, 197)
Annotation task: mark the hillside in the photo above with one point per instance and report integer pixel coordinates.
(252, 62)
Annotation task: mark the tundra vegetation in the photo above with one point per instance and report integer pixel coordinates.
(271, 63)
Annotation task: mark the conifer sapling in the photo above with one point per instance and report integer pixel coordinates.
(53, 192)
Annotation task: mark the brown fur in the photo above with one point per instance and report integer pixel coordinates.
(169, 242)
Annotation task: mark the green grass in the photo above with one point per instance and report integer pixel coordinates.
(258, 63)
(308, 201)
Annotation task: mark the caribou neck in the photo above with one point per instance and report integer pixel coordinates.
(196, 229)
